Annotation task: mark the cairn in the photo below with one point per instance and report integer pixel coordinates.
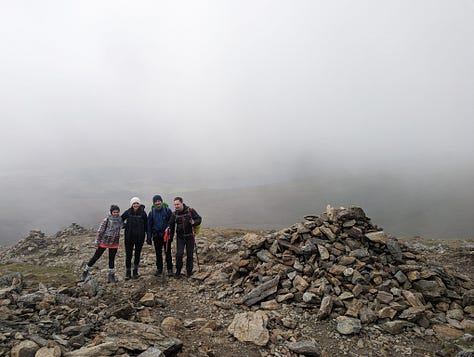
(341, 266)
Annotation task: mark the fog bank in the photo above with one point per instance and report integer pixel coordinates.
(256, 112)
(436, 207)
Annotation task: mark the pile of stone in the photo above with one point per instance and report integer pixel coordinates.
(35, 241)
(340, 266)
(40, 249)
(73, 230)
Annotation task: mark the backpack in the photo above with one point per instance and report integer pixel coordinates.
(196, 229)
(100, 235)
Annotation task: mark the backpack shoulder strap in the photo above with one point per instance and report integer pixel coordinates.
(191, 211)
(106, 225)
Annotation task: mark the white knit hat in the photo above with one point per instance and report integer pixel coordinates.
(135, 199)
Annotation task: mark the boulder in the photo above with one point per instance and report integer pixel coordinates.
(348, 325)
(250, 327)
(25, 349)
(306, 348)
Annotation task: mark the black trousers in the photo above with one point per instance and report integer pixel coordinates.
(159, 247)
(98, 253)
(130, 246)
(181, 243)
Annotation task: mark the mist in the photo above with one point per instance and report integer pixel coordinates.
(257, 113)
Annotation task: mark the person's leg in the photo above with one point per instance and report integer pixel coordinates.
(179, 255)
(136, 262)
(98, 253)
(169, 258)
(128, 258)
(112, 254)
(158, 243)
(189, 256)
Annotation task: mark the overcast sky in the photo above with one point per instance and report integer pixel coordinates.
(221, 91)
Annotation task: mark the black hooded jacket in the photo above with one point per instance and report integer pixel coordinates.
(180, 222)
(135, 224)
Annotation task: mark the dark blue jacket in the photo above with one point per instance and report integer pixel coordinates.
(158, 220)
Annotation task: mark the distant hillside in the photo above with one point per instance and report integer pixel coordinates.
(436, 207)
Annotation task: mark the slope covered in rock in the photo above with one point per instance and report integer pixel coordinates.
(332, 285)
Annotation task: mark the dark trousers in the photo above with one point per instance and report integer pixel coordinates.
(159, 247)
(98, 253)
(181, 243)
(131, 245)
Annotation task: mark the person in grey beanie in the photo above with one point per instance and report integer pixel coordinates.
(108, 236)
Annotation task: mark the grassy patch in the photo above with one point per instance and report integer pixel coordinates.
(229, 232)
(447, 243)
(51, 276)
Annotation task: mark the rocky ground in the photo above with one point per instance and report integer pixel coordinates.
(332, 285)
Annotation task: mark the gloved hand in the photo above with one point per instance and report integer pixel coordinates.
(148, 241)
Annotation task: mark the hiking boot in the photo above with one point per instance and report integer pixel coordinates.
(128, 274)
(189, 274)
(158, 272)
(177, 276)
(170, 272)
(135, 273)
(112, 278)
(84, 275)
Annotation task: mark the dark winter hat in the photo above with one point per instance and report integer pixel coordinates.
(114, 208)
(157, 198)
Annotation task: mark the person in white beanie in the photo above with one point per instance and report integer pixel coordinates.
(136, 224)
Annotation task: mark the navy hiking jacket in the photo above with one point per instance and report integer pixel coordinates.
(158, 220)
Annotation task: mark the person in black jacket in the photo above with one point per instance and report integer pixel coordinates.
(184, 221)
(136, 226)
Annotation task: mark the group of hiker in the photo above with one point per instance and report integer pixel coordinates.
(159, 227)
